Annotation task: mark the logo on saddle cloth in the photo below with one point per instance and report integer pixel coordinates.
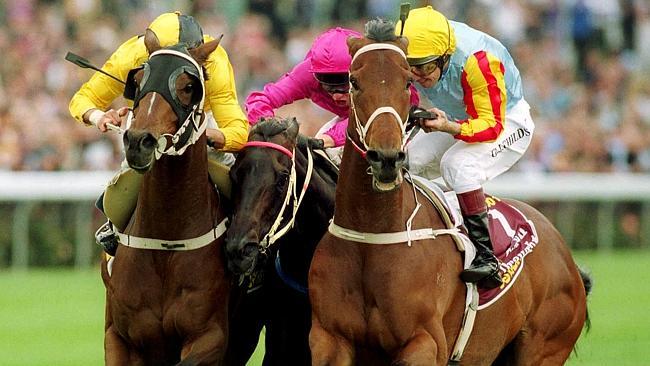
(513, 238)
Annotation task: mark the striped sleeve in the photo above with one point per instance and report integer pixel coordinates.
(484, 90)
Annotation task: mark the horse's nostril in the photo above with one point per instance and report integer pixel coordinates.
(373, 156)
(148, 141)
(249, 249)
(401, 157)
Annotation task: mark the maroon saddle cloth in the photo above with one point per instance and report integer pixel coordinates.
(513, 238)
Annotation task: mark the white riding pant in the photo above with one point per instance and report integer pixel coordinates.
(464, 167)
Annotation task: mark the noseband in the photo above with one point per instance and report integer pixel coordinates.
(362, 130)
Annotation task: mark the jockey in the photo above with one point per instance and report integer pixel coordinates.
(323, 78)
(90, 105)
(479, 107)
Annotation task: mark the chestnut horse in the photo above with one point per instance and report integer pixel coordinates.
(167, 294)
(396, 304)
(282, 203)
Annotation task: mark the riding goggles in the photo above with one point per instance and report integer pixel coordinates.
(334, 83)
(427, 68)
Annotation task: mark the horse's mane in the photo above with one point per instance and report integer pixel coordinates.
(380, 30)
(269, 127)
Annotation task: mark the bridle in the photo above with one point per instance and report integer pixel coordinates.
(362, 130)
(193, 126)
(409, 235)
(275, 232)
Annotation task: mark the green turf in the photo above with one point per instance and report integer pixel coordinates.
(619, 310)
(51, 318)
(55, 317)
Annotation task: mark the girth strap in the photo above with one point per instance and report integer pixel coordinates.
(174, 245)
(388, 238)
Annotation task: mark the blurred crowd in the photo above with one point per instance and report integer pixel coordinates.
(584, 64)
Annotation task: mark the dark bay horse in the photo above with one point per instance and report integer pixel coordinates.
(167, 296)
(264, 183)
(399, 304)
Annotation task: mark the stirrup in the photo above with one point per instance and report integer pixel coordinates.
(479, 271)
(105, 237)
(491, 281)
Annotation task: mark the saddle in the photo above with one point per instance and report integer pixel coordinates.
(513, 235)
(121, 194)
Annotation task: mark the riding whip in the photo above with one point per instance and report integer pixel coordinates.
(83, 63)
(404, 9)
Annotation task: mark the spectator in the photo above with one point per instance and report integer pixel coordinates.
(33, 70)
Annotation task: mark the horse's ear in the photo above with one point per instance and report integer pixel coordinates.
(202, 52)
(292, 131)
(151, 41)
(403, 43)
(354, 43)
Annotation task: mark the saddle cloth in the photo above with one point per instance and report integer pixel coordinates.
(513, 234)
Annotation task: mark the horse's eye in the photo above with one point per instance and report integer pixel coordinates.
(354, 84)
(188, 88)
(409, 82)
(281, 183)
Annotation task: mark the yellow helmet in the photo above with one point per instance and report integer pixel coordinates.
(173, 28)
(429, 34)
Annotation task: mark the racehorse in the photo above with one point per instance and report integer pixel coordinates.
(276, 181)
(403, 303)
(167, 293)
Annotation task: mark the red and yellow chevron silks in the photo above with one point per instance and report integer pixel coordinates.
(484, 88)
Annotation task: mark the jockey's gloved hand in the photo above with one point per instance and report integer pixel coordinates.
(415, 115)
(311, 142)
(316, 144)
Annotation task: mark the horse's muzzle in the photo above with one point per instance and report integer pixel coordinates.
(139, 147)
(242, 256)
(386, 167)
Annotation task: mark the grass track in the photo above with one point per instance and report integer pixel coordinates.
(55, 317)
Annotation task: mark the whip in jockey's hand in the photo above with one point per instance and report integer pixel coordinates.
(101, 119)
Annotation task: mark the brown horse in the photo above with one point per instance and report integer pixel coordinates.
(167, 296)
(397, 304)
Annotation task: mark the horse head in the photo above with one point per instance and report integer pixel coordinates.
(168, 93)
(380, 81)
(264, 170)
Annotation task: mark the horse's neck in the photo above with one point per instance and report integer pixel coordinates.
(358, 206)
(312, 219)
(176, 200)
(318, 204)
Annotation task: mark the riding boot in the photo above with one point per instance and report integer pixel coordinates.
(484, 269)
(106, 238)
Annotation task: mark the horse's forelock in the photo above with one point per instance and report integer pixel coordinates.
(380, 30)
(270, 127)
